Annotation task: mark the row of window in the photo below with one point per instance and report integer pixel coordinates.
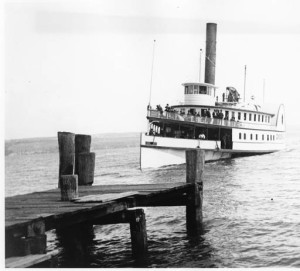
(268, 137)
(197, 90)
(256, 117)
(246, 116)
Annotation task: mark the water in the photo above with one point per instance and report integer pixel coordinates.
(251, 205)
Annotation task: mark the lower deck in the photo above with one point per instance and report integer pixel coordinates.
(157, 151)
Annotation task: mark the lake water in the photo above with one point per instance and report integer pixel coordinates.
(251, 205)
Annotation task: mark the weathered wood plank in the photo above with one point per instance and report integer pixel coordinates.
(29, 260)
(22, 209)
(105, 197)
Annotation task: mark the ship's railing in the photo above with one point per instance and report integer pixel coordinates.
(204, 120)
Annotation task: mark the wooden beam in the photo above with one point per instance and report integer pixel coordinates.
(138, 233)
(66, 146)
(195, 160)
(31, 241)
(29, 260)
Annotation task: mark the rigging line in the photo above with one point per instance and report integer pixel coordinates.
(152, 71)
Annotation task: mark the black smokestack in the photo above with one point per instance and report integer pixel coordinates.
(210, 54)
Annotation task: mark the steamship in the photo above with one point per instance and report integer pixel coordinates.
(224, 128)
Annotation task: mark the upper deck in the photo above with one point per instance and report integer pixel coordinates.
(173, 116)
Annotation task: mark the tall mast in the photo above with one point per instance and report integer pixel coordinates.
(151, 72)
(245, 83)
(200, 64)
(264, 86)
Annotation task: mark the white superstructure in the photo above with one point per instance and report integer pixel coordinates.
(223, 126)
(230, 128)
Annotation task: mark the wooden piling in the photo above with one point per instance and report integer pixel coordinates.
(86, 168)
(82, 145)
(69, 187)
(77, 242)
(33, 241)
(138, 233)
(66, 145)
(194, 169)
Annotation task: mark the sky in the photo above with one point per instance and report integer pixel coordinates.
(85, 66)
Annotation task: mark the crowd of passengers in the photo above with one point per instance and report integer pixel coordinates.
(217, 114)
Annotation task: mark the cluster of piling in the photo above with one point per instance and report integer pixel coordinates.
(76, 163)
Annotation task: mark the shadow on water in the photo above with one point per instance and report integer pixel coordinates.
(82, 248)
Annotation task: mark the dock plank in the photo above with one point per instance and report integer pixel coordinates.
(29, 260)
(22, 209)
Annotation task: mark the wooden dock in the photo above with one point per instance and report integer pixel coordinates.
(28, 217)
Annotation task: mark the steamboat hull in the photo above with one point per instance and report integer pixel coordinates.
(158, 151)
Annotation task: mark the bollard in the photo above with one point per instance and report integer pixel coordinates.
(66, 145)
(82, 145)
(86, 168)
(69, 187)
(138, 233)
(194, 169)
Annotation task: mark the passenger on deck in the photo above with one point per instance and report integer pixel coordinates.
(208, 113)
(232, 119)
(159, 108)
(221, 115)
(202, 136)
(151, 132)
(224, 140)
(214, 114)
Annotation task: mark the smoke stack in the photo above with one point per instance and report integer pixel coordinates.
(210, 54)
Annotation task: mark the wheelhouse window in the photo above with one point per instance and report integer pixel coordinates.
(262, 118)
(251, 136)
(239, 115)
(245, 116)
(262, 137)
(256, 136)
(209, 90)
(244, 135)
(186, 90)
(254, 117)
(250, 116)
(195, 89)
(240, 135)
(203, 90)
(190, 90)
(268, 137)
(258, 117)
(273, 137)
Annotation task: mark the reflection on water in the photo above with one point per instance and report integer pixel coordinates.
(251, 207)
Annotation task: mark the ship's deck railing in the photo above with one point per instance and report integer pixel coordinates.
(205, 120)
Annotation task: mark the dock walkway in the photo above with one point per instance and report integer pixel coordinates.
(28, 217)
(31, 215)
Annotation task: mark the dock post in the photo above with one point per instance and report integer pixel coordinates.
(77, 243)
(82, 145)
(194, 169)
(138, 233)
(68, 187)
(33, 241)
(66, 145)
(86, 168)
